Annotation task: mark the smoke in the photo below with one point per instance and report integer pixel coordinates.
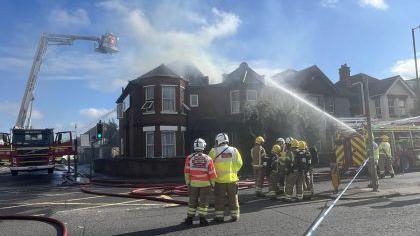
(147, 40)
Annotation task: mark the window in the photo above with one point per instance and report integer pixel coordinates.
(378, 109)
(235, 101)
(168, 98)
(314, 100)
(168, 144)
(331, 105)
(194, 100)
(150, 144)
(392, 107)
(126, 103)
(149, 97)
(401, 103)
(251, 97)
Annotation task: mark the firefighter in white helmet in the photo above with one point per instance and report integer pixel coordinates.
(288, 142)
(258, 157)
(227, 162)
(199, 175)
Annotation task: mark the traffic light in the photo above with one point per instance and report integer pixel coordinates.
(99, 130)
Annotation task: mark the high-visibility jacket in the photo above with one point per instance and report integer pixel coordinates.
(385, 149)
(258, 156)
(376, 154)
(199, 170)
(227, 162)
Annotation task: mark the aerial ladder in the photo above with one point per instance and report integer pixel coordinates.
(107, 43)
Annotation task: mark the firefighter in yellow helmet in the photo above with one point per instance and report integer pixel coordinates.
(258, 157)
(385, 157)
(278, 171)
(227, 162)
(308, 186)
(296, 167)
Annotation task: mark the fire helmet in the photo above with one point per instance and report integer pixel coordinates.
(294, 143)
(276, 149)
(259, 140)
(221, 139)
(280, 141)
(199, 144)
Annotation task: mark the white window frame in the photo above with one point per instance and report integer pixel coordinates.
(251, 101)
(174, 98)
(149, 104)
(192, 97)
(392, 106)
(148, 144)
(238, 102)
(378, 107)
(164, 145)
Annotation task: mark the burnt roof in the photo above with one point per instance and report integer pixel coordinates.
(160, 71)
(243, 74)
(307, 79)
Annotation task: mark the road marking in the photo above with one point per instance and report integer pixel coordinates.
(105, 205)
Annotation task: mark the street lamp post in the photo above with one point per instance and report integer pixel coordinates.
(415, 62)
(373, 173)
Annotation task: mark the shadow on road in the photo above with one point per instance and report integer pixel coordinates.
(399, 203)
(160, 231)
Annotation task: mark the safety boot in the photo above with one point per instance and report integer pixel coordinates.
(188, 220)
(203, 221)
(392, 175)
(234, 219)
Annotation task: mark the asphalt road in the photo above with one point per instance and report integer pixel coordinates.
(395, 210)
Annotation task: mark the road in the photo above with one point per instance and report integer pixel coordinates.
(394, 210)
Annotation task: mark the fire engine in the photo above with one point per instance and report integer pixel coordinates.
(37, 149)
(351, 148)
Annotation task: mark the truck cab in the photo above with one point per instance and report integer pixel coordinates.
(5, 147)
(36, 149)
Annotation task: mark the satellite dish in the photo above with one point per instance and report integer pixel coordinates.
(108, 44)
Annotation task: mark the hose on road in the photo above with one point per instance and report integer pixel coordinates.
(60, 227)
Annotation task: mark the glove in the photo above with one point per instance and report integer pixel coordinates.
(264, 164)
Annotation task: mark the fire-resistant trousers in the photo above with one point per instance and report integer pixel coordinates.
(294, 179)
(276, 184)
(198, 201)
(308, 186)
(335, 176)
(231, 191)
(259, 173)
(385, 163)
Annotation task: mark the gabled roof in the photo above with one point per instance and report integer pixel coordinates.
(376, 86)
(160, 71)
(243, 74)
(307, 79)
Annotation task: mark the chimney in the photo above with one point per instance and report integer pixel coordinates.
(344, 72)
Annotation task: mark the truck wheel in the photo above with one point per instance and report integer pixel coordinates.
(50, 171)
(14, 172)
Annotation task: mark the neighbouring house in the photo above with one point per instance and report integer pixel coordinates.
(389, 99)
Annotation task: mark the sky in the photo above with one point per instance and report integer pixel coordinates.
(77, 85)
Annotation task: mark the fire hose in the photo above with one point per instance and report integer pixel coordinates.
(151, 191)
(60, 227)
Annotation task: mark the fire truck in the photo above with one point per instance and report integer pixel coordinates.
(351, 148)
(35, 149)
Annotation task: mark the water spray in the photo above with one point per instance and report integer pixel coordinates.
(303, 101)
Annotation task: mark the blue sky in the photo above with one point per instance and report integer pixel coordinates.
(77, 85)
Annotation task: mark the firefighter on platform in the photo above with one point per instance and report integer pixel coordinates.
(278, 171)
(258, 157)
(385, 157)
(199, 175)
(227, 162)
(308, 187)
(296, 168)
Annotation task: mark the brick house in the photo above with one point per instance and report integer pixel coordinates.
(389, 99)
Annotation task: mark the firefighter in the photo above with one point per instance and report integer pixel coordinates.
(227, 162)
(296, 169)
(308, 187)
(288, 142)
(278, 173)
(258, 157)
(385, 157)
(374, 167)
(199, 175)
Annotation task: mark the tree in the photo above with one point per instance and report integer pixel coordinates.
(111, 133)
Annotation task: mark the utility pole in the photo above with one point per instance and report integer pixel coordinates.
(415, 64)
(372, 166)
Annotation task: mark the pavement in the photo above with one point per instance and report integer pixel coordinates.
(394, 210)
